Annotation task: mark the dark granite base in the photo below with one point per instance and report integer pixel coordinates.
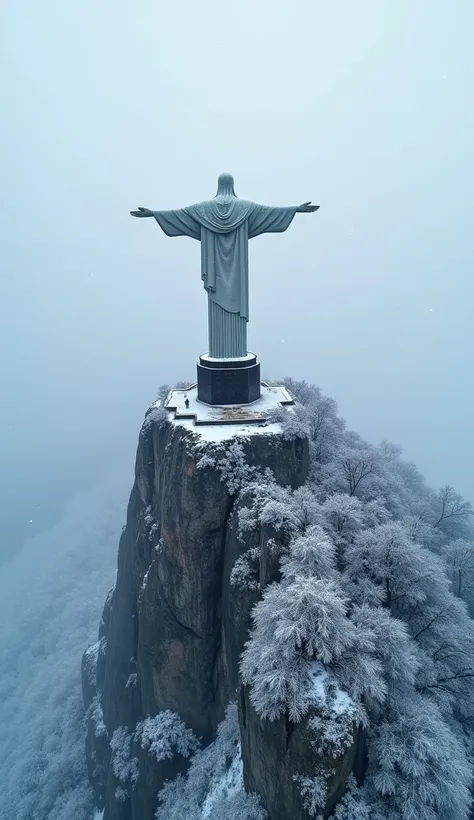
(227, 381)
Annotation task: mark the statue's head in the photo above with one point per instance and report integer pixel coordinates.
(225, 185)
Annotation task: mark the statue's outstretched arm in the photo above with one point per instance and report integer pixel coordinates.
(142, 212)
(307, 208)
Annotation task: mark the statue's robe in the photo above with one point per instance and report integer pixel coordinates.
(224, 225)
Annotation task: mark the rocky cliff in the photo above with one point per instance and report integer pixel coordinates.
(174, 626)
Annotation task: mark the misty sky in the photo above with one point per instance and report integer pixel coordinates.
(367, 108)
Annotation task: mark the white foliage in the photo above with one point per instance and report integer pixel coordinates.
(395, 652)
(375, 512)
(312, 554)
(459, 557)
(234, 470)
(379, 614)
(165, 735)
(206, 461)
(353, 805)
(245, 569)
(238, 806)
(285, 511)
(295, 423)
(313, 791)
(124, 766)
(90, 662)
(296, 622)
(95, 711)
(357, 464)
(387, 567)
(333, 734)
(213, 785)
(418, 765)
(334, 717)
(343, 514)
(156, 416)
(419, 531)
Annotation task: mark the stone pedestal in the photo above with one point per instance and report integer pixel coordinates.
(228, 381)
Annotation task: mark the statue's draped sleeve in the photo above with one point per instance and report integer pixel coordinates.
(265, 219)
(178, 223)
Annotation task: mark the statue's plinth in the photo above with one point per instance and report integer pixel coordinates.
(228, 381)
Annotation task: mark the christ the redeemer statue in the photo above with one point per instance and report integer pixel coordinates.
(224, 225)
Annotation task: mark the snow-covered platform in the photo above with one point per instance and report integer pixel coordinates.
(200, 414)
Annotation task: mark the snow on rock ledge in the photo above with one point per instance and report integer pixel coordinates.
(216, 423)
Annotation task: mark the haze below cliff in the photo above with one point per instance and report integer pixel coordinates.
(51, 595)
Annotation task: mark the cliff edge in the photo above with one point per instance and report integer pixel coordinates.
(166, 665)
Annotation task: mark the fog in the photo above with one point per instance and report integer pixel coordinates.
(365, 108)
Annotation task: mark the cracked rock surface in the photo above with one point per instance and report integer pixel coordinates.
(174, 627)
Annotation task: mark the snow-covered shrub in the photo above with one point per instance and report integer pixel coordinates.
(245, 570)
(238, 806)
(156, 416)
(206, 461)
(121, 795)
(90, 663)
(213, 785)
(165, 735)
(270, 504)
(124, 766)
(234, 470)
(353, 805)
(313, 792)
(230, 463)
(97, 718)
(294, 422)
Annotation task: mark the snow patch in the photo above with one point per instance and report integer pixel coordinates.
(248, 358)
(226, 785)
(219, 423)
(322, 685)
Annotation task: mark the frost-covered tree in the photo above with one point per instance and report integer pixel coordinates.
(124, 764)
(297, 621)
(312, 554)
(452, 511)
(417, 766)
(366, 592)
(459, 557)
(165, 735)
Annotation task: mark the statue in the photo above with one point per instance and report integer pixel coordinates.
(224, 225)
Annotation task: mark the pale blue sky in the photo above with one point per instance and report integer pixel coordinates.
(367, 108)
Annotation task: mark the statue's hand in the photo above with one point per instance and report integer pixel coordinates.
(306, 208)
(142, 212)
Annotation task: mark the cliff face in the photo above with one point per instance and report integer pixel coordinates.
(174, 627)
